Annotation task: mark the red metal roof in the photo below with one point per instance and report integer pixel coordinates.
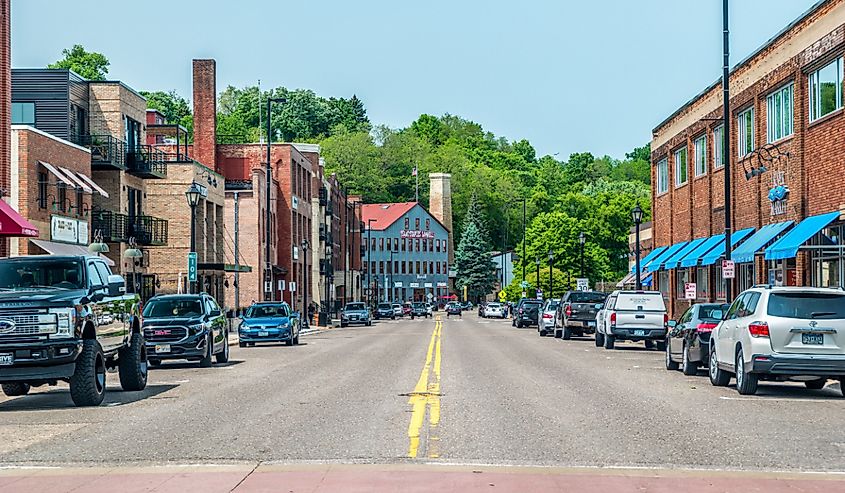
(383, 215)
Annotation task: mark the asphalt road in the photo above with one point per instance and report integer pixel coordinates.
(473, 391)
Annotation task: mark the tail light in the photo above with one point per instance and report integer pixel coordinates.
(568, 310)
(612, 319)
(665, 319)
(520, 311)
(547, 315)
(705, 328)
(758, 329)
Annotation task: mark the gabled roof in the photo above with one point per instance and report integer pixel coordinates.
(383, 215)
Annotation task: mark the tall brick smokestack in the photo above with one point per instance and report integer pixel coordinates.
(205, 112)
(5, 105)
(440, 205)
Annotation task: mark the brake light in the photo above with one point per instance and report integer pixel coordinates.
(547, 315)
(758, 329)
(665, 319)
(568, 310)
(705, 328)
(613, 319)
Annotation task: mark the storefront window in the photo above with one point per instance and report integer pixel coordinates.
(745, 276)
(663, 283)
(702, 283)
(721, 285)
(828, 264)
(681, 278)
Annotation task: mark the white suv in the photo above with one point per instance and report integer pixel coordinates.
(780, 333)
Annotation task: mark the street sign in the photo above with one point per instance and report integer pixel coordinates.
(582, 284)
(292, 287)
(502, 295)
(524, 284)
(192, 266)
(539, 294)
(429, 296)
(728, 269)
(690, 290)
(268, 286)
(281, 285)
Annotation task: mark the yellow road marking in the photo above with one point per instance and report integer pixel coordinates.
(426, 395)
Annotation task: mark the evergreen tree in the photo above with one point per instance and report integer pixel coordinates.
(475, 215)
(475, 268)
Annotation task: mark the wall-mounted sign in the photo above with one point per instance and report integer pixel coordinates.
(410, 233)
(453, 273)
(295, 253)
(67, 230)
(294, 203)
(441, 285)
(397, 284)
(414, 284)
(690, 290)
(421, 276)
(428, 285)
(779, 193)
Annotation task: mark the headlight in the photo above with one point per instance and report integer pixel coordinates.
(243, 326)
(66, 321)
(195, 329)
(284, 325)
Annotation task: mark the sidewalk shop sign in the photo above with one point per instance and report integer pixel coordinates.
(728, 269)
(690, 290)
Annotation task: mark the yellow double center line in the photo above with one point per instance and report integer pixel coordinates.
(426, 396)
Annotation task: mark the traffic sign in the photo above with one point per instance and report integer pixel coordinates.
(429, 296)
(728, 269)
(582, 284)
(524, 284)
(503, 295)
(539, 294)
(690, 290)
(192, 266)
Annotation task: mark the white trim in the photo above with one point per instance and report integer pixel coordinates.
(699, 156)
(50, 136)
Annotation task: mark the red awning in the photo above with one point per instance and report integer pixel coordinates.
(13, 224)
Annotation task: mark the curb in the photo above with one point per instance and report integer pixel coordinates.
(233, 338)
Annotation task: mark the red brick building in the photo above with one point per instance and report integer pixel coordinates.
(787, 129)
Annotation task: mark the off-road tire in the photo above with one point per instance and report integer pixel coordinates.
(746, 383)
(609, 341)
(15, 389)
(223, 356)
(206, 362)
(132, 364)
(88, 382)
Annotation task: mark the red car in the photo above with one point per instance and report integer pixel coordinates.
(406, 309)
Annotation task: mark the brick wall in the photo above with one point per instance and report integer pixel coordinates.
(205, 112)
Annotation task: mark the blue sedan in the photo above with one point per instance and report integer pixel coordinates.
(269, 322)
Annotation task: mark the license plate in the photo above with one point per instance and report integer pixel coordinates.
(639, 332)
(263, 333)
(7, 358)
(162, 348)
(591, 323)
(810, 338)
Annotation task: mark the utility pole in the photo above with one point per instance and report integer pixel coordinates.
(726, 132)
(268, 266)
(237, 261)
(524, 260)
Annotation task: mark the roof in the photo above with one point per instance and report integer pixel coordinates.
(383, 215)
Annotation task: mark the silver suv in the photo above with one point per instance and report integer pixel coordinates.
(780, 333)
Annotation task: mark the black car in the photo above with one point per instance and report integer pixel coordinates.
(454, 308)
(576, 314)
(527, 313)
(185, 326)
(688, 339)
(384, 310)
(419, 310)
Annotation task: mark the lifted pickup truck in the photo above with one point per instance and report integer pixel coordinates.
(68, 318)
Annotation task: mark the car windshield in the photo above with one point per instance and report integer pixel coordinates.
(807, 305)
(493, 305)
(552, 305)
(352, 307)
(418, 305)
(35, 273)
(587, 297)
(265, 311)
(384, 306)
(173, 307)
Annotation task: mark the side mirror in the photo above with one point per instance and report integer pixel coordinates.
(117, 285)
(672, 324)
(215, 313)
(598, 306)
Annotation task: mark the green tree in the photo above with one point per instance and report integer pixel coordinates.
(524, 149)
(475, 268)
(88, 64)
(174, 107)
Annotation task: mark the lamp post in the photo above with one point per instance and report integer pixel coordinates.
(369, 265)
(193, 195)
(581, 241)
(133, 253)
(726, 133)
(392, 286)
(304, 245)
(537, 261)
(637, 216)
(268, 276)
(551, 281)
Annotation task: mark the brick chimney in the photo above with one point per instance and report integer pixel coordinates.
(205, 112)
(5, 105)
(440, 205)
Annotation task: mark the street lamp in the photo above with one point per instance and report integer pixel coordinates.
(268, 277)
(551, 282)
(193, 195)
(369, 265)
(537, 261)
(637, 216)
(132, 253)
(304, 245)
(581, 241)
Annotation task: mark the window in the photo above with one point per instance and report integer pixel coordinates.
(404, 240)
(663, 176)
(419, 271)
(425, 267)
(389, 267)
(417, 223)
(437, 245)
(425, 246)
(373, 246)
(381, 244)
(78, 201)
(430, 245)
(395, 244)
(719, 147)
(395, 266)
(701, 283)
(681, 279)
(721, 285)
(404, 267)
(407, 223)
(825, 90)
(427, 224)
(417, 244)
(445, 268)
(42, 190)
(62, 191)
(745, 275)
(700, 155)
(373, 266)
(431, 267)
(23, 113)
(680, 166)
(381, 267)
(745, 132)
(779, 114)
(437, 264)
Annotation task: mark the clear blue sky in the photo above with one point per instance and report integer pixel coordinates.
(569, 76)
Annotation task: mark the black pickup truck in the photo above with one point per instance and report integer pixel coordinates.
(576, 314)
(68, 318)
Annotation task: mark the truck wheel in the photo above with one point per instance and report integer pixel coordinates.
(223, 356)
(88, 382)
(609, 341)
(599, 339)
(649, 344)
(746, 383)
(206, 362)
(132, 364)
(155, 363)
(718, 377)
(815, 384)
(567, 333)
(15, 389)
(671, 364)
(661, 345)
(689, 368)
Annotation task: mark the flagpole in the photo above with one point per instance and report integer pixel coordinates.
(417, 192)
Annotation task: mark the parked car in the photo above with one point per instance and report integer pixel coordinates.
(576, 315)
(454, 308)
(429, 308)
(68, 318)
(780, 333)
(355, 313)
(385, 310)
(527, 312)
(546, 322)
(419, 309)
(481, 308)
(269, 322)
(466, 305)
(406, 309)
(632, 316)
(397, 309)
(494, 309)
(185, 326)
(688, 340)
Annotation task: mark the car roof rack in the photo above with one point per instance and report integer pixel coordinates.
(762, 286)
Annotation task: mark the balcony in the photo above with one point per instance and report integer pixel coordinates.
(148, 230)
(116, 228)
(112, 225)
(107, 152)
(146, 161)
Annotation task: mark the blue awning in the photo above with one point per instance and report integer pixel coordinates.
(746, 251)
(654, 253)
(718, 251)
(694, 256)
(657, 264)
(647, 280)
(787, 246)
(675, 261)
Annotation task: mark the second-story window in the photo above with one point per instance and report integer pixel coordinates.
(825, 88)
(427, 224)
(417, 245)
(779, 114)
(407, 223)
(417, 223)
(404, 241)
(395, 244)
(62, 199)
(700, 156)
(437, 245)
(745, 132)
(381, 244)
(425, 246)
(719, 147)
(373, 245)
(681, 166)
(42, 190)
(23, 113)
(662, 176)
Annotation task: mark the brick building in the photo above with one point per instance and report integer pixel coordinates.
(786, 141)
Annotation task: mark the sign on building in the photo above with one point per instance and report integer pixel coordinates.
(292, 286)
(690, 290)
(428, 285)
(68, 230)
(414, 285)
(728, 269)
(413, 233)
(397, 284)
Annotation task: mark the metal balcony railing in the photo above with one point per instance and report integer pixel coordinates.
(148, 230)
(146, 161)
(117, 227)
(112, 225)
(107, 152)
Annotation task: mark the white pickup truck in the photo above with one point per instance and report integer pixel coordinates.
(632, 316)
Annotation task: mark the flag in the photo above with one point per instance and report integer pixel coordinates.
(414, 173)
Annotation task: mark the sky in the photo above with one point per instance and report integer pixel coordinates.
(569, 76)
